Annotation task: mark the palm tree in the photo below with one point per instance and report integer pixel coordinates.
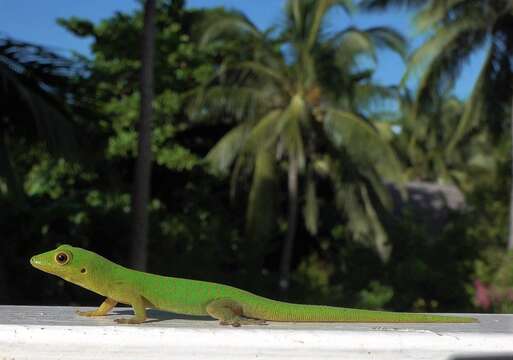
(299, 99)
(33, 89)
(456, 30)
(33, 93)
(423, 143)
(141, 191)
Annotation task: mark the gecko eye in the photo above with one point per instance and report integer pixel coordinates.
(62, 258)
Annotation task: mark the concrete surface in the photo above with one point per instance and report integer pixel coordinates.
(46, 332)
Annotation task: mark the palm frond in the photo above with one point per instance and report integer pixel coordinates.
(439, 77)
(266, 72)
(474, 106)
(352, 42)
(233, 24)
(322, 8)
(362, 220)
(311, 207)
(369, 96)
(492, 91)
(435, 12)
(266, 131)
(378, 232)
(31, 96)
(362, 143)
(438, 45)
(225, 100)
(378, 5)
(223, 154)
(388, 38)
(292, 136)
(260, 217)
(379, 188)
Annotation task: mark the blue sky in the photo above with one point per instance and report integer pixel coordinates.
(34, 21)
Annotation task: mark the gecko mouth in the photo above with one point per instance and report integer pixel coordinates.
(35, 262)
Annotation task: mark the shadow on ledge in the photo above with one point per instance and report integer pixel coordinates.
(158, 316)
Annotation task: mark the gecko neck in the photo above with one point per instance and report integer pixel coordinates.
(99, 276)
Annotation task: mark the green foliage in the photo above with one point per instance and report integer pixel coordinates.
(425, 145)
(298, 97)
(34, 82)
(456, 30)
(50, 177)
(488, 224)
(376, 296)
(88, 204)
(422, 258)
(234, 94)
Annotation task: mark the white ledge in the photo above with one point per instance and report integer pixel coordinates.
(44, 332)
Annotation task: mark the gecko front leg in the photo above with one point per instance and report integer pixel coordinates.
(139, 310)
(103, 310)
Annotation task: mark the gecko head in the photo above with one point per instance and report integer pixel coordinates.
(70, 263)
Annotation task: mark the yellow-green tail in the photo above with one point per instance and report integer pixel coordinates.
(280, 311)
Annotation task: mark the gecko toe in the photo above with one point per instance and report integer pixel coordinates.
(237, 322)
(247, 321)
(128, 321)
(85, 313)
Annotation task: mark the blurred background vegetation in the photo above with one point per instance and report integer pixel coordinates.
(278, 163)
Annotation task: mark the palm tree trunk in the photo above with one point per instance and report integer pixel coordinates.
(510, 237)
(141, 190)
(291, 225)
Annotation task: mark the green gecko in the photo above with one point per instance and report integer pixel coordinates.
(229, 305)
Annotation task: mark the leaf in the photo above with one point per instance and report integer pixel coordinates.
(436, 45)
(291, 136)
(266, 131)
(36, 77)
(234, 23)
(222, 155)
(260, 218)
(241, 102)
(433, 14)
(363, 144)
(352, 42)
(491, 90)
(386, 37)
(322, 8)
(378, 5)
(265, 71)
(380, 188)
(348, 201)
(363, 221)
(378, 232)
(311, 208)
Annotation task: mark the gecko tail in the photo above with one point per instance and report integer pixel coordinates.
(281, 311)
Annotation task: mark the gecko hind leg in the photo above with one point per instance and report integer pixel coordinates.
(229, 312)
